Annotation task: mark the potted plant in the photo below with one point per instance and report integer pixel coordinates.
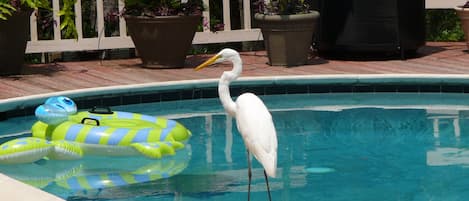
(14, 29)
(463, 13)
(287, 27)
(162, 30)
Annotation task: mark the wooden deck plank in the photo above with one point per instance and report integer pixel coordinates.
(434, 58)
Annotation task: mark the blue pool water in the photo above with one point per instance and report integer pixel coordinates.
(334, 147)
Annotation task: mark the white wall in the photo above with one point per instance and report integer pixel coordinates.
(443, 3)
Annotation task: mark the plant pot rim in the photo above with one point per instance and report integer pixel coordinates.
(311, 15)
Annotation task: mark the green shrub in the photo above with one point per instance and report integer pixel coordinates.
(443, 25)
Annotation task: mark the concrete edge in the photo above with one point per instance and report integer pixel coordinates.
(14, 190)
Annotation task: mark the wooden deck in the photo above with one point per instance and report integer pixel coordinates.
(434, 58)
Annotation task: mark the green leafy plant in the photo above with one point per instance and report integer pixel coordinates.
(67, 14)
(283, 7)
(6, 10)
(443, 25)
(67, 25)
(151, 8)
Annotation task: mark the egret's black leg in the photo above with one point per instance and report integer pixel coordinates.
(249, 176)
(267, 183)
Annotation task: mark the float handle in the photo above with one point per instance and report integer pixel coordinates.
(87, 118)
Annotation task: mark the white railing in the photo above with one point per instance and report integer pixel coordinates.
(123, 41)
(246, 33)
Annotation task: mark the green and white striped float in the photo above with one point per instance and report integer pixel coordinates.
(70, 135)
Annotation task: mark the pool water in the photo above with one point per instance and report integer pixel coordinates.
(334, 147)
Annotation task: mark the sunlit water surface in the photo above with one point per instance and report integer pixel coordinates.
(334, 147)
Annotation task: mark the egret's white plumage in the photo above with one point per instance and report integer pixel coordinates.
(253, 119)
(255, 124)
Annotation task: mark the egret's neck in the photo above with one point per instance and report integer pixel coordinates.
(224, 86)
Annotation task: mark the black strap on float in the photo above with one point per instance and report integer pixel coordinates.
(83, 121)
(101, 110)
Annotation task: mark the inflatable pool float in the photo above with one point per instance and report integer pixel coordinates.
(62, 133)
(30, 149)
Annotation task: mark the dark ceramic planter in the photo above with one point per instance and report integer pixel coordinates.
(287, 38)
(162, 42)
(13, 39)
(371, 29)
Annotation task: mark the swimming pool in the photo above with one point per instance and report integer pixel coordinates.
(337, 146)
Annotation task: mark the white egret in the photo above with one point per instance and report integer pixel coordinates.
(253, 120)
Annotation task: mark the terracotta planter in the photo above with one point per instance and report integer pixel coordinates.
(14, 35)
(463, 14)
(287, 38)
(162, 42)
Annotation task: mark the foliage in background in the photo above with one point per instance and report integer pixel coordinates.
(111, 21)
(216, 16)
(45, 23)
(443, 25)
(67, 19)
(152, 8)
(8, 7)
(6, 10)
(283, 7)
(89, 26)
(67, 14)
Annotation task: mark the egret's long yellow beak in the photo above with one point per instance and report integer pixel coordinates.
(208, 62)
